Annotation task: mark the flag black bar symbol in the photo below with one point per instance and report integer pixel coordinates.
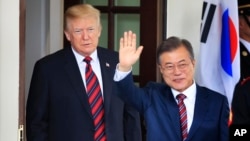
(208, 21)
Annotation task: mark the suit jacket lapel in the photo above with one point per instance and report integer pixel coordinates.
(173, 111)
(199, 110)
(107, 75)
(75, 78)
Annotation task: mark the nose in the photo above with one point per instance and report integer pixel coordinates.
(85, 35)
(176, 70)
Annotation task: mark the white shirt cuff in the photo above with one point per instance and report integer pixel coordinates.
(119, 75)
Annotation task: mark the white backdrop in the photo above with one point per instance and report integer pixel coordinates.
(184, 20)
(9, 69)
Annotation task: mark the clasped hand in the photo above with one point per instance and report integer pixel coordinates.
(128, 53)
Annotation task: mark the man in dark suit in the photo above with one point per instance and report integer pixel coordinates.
(241, 104)
(241, 112)
(206, 113)
(58, 108)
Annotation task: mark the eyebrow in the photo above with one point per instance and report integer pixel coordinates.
(169, 63)
(77, 28)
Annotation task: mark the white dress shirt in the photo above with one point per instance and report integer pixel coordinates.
(95, 66)
(189, 101)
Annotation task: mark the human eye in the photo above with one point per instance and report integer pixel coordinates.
(78, 31)
(91, 29)
(169, 67)
(182, 65)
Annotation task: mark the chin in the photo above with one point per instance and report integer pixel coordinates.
(180, 88)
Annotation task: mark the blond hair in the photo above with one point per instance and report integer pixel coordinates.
(81, 11)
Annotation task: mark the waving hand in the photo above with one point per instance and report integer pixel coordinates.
(128, 53)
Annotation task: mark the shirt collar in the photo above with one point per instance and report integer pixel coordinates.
(190, 92)
(79, 57)
(245, 43)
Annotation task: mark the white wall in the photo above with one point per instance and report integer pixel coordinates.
(36, 30)
(43, 36)
(44, 32)
(9, 69)
(184, 20)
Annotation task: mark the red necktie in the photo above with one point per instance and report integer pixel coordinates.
(95, 101)
(183, 115)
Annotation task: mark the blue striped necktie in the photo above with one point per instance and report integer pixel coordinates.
(95, 101)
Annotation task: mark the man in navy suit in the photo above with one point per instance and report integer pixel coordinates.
(207, 111)
(57, 105)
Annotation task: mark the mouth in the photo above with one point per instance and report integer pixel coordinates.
(86, 45)
(178, 80)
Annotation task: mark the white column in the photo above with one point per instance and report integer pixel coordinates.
(9, 69)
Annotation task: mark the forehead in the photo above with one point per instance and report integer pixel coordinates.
(86, 21)
(175, 56)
